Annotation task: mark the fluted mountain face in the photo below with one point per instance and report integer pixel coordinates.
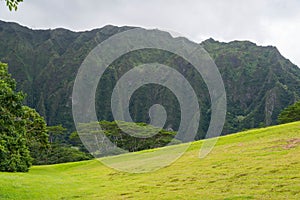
(259, 82)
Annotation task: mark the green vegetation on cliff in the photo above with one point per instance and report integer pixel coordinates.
(259, 82)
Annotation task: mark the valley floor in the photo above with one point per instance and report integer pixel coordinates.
(255, 164)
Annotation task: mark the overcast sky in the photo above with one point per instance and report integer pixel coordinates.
(265, 22)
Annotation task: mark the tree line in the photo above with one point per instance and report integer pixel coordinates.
(25, 138)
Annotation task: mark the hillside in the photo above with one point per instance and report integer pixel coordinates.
(255, 164)
(259, 82)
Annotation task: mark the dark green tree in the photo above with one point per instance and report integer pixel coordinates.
(14, 151)
(58, 149)
(290, 114)
(122, 139)
(36, 133)
(56, 133)
(22, 129)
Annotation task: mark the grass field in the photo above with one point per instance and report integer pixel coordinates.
(256, 164)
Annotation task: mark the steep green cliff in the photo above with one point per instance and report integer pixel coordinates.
(259, 82)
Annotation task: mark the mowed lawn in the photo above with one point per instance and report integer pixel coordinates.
(256, 164)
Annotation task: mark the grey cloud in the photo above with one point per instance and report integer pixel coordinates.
(256, 20)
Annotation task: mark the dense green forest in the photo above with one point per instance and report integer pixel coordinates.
(25, 138)
(290, 114)
(150, 137)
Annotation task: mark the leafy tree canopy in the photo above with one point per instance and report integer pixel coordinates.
(13, 4)
(122, 139)
(21, 128)
(290, 114)
(55, 132)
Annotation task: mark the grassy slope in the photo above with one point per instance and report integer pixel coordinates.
(256, 164)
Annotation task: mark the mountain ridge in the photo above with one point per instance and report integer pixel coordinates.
(259, 81)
